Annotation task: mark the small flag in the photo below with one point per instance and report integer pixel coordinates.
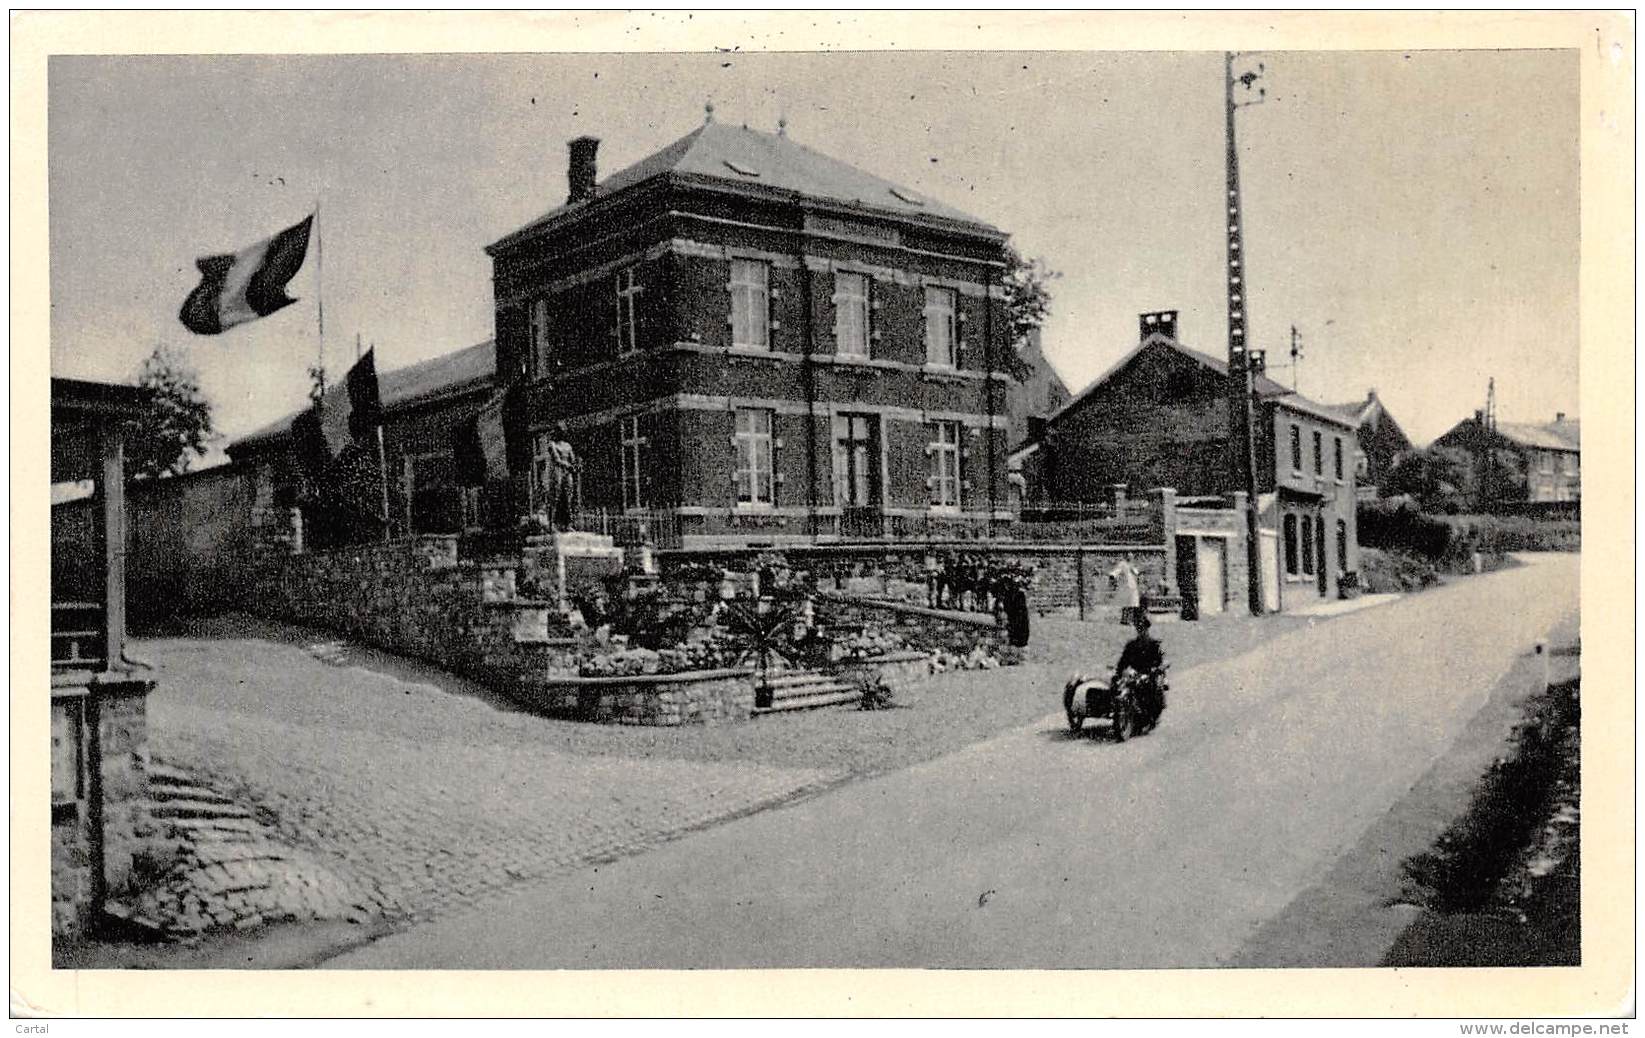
(493, 440)
(352, 411)
(243, 286)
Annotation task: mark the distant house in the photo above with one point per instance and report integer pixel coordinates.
(1041, 393)
(1548, 457)
(1160, 418)
(1382, 443)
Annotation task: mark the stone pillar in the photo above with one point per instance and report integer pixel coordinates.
(1166, 505)
(1239, 558)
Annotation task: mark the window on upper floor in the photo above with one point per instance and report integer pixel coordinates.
(1339, 458)
(1545, 462)
(1570, 464)
(941, 340)
(541, 358)
(1319, 453)
(1296, 449)
(944, 477)
(628, 320)
(751, 304)
(755, 472)
(851, 314)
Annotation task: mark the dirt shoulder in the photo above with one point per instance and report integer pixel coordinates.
(1353, 916)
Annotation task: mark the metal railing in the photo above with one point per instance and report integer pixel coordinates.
(656, 527)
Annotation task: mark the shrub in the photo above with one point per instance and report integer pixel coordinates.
(1506, 533)
(1401, 528)
(1382, 572)
(877, 695)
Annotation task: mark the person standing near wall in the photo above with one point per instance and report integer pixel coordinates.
(1124, 578)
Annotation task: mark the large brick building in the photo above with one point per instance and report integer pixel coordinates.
(756, 343)
(1159, 417)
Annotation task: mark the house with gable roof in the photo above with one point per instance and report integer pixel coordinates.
(1382, 443)
(1548, 456)
(1160, 418)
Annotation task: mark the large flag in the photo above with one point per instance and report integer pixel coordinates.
(243, 286)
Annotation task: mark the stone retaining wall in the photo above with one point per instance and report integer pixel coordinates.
(415, 597)
(668, 700)
(926, 630)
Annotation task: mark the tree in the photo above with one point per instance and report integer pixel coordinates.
(1439, 478)
(1027, 294)
(177, 427)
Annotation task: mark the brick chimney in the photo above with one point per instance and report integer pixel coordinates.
(581, 173)
(1162, 321)
(1559, 416)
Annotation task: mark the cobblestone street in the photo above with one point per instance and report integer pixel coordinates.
(425, 798)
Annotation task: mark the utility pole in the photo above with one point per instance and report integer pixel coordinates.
(1242, 364)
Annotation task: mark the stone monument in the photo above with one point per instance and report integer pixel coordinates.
(567, 561)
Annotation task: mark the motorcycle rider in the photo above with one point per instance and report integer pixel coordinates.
(1144, 655)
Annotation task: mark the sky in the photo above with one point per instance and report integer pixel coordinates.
(1413, 214)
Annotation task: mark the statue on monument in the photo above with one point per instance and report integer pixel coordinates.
(562, 480)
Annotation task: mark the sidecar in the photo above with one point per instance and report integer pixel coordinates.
(1084, 698)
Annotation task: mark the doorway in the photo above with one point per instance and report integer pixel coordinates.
(1211, 553)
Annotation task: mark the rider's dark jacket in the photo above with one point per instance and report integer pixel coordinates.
(1142, 654)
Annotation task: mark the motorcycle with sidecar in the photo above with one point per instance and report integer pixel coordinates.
(1131, 706)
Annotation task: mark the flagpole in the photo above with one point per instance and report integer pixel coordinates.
(320, 289)
(382, 477)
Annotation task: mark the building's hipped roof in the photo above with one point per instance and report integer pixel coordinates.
(755, 160)
(1266, 388)
(402, 387)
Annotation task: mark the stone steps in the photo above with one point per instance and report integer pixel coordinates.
(807, 690)
(168, 792)
(201, 809)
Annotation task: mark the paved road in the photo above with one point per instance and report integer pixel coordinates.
(1037, 850)
(424, 798)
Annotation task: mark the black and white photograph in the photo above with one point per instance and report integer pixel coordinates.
(748, 504)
